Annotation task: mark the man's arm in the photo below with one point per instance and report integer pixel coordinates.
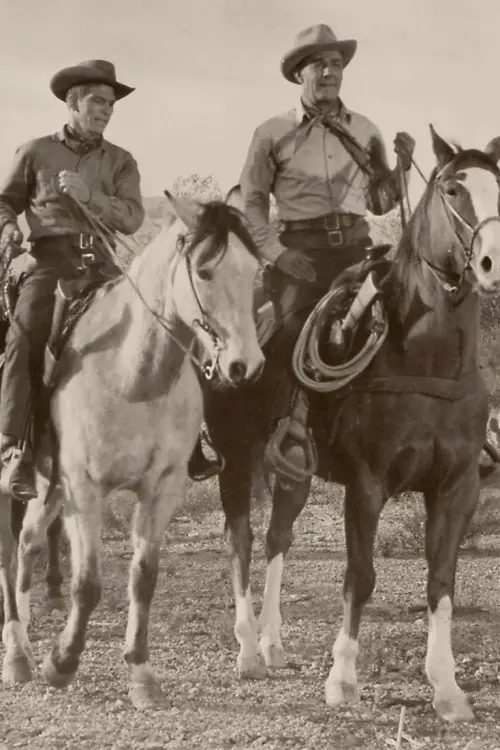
(256, 183)
(123, 212)
(15, 190)
(385, 188)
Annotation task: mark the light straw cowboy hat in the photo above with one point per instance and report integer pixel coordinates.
(88, 71)
(319, 38)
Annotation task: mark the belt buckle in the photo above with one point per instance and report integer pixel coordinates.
(86, 241)
(332, 221)
(335, 238)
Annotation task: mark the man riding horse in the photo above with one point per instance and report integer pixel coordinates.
(326, 166)
(50, 177)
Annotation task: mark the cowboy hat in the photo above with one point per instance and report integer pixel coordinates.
(318, 38)
(88, 71)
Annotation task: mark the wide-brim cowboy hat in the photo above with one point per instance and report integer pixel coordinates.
(88, 71)
(314, 39)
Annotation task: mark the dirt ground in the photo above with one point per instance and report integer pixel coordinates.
(193, 648)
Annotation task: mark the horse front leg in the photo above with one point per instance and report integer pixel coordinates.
(287, 506)
(82, 518)
(363, 503)
(235, 490)
(449, 512)
(18, 662)
(151, 518)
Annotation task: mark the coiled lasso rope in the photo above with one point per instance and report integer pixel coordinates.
(308, 366)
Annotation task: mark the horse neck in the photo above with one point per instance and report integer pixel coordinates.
(421, 303)
(153, 350)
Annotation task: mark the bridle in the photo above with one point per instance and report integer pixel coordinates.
(209, 367)
(453, 216)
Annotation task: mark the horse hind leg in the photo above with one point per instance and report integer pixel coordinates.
(363, 503)
(53, 575)
(82, 518)
(448, 515)
(287, 505)
(18, 662)
(151, 518)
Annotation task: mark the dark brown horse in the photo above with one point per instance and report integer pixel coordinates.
(414, 420)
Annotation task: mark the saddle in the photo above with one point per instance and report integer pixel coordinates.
(349, 282)
(72, 298)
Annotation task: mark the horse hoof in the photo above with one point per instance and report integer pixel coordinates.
(53, 676)
(144, 696)
(16, 671)
(337, 693)
(453, 710)
(251, 667)
(274, 656)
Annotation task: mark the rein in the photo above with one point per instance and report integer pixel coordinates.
(207, 368)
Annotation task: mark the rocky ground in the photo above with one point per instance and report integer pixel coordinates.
(194, 650)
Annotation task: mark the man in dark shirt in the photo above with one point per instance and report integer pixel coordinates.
(49, 178)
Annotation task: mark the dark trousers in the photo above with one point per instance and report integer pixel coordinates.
(293, 300)
(28, 334)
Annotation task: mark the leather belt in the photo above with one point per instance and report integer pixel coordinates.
(329, 222)
(85, 244)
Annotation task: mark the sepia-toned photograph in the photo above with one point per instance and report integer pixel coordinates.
(249, 388)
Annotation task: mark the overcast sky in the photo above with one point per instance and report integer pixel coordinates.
(207, 72)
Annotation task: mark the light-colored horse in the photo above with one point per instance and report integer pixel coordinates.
(126, 414)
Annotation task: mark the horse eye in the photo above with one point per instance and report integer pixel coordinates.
(204, 274)
(451, 190)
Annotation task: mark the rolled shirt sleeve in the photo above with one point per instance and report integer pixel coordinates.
(256, 182)
(124, 211)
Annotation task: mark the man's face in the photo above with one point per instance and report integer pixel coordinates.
(321, 77)
(95, 108)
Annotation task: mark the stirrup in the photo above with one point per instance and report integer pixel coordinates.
(287, 473)
(24, 493)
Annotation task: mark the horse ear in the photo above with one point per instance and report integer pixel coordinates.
(493, 149)
(443, 150)
(234, 198)
(186, 209)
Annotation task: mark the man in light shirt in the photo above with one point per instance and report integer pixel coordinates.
(326, 166)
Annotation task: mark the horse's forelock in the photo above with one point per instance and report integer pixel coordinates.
(217, 221)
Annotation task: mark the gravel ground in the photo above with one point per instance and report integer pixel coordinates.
(193, 650)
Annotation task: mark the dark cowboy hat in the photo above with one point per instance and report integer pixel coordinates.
(319, 38)
(89, 71)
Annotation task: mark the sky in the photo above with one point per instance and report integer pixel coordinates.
(207, 72)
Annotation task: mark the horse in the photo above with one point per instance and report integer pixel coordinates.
(125, 414)
(414, 419)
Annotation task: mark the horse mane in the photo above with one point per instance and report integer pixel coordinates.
(216, 222)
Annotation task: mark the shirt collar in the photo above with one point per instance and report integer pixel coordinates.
(344, 115)
(62, 136)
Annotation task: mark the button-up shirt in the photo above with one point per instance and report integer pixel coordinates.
(311, 174)
(109, 171)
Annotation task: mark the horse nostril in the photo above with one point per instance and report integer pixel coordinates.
(486, 264)
(237, 371)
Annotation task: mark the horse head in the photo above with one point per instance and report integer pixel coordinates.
(212, 289)
(466, 186)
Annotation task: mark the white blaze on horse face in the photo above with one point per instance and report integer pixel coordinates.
(234, 281)
(483, 190)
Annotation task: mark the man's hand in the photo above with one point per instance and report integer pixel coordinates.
(295, 263)
(70, 183)
(404, 146)
(11, 240)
